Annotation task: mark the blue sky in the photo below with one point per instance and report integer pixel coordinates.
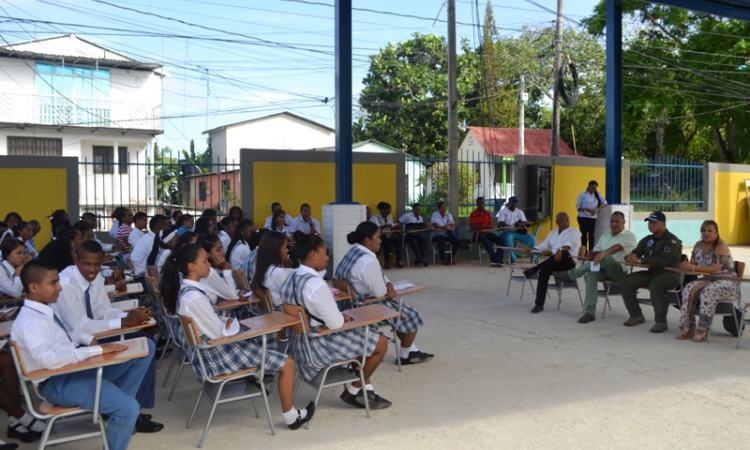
(280, 54)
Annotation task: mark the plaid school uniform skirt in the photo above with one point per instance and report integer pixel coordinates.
(410, 320)
(329, 349)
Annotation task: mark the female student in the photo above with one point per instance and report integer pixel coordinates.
(443, 230)
(124, 218)
(184, 224)
(361, 268)
(74, 235)
(236, 212)
(227, 228)
(188, 298)
(219, 283)
(24, 233)
(58, 218)
(205, 225)
(271, 266)
(384, 220)
(249, 264)
(14, 258)
(59, 252)
(238, 248)
(162, 248)
(87, 233)
(278, 223)
(11, 219)
(305, 287)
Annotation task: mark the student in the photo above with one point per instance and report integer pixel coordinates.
(14, 258)
(36, 227)
(162, 248)
(93, 222)
(413, 221)
(220, 282)
(305, 223)
(238, 248)
(115, 222)
(205, 225)
(272, 266)
(25, 234)
(143, 248)
(184, 224)
(278, 221)
(184, 294)
(11, 219)
(236, 212)
(176, 214)
(75, 236)
(227, 228)
(59, 252)
(276, 206)
(5, 233)
(124, 218)
(140, 221)
(85, 310)
(43, 343)
(384, 221)
(444, 230)
(87, 234)
(249, 264)
(361, 268)
(209, 212)
(306, 288)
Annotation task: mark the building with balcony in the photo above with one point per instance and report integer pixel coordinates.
(66, 96)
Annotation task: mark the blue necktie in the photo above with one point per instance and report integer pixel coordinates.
(89, 311)
(59, 322)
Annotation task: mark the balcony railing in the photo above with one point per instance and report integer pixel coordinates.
(82, 112)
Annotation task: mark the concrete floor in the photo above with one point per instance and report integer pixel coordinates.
(504, 378)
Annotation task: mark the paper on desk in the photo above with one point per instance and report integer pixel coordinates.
(126, 305)
(247, 294)
(403, 285)
(132, 288)
(8, 310)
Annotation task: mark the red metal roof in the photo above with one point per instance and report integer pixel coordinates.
(504, 141)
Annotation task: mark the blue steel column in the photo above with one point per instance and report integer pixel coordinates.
(343, 25)
(614, 102)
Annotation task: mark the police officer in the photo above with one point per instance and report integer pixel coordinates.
(659, 250)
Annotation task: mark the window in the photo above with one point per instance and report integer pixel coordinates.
(103, 159)
(201, 191)
(123, 158)
(72, 95)
(32, 146)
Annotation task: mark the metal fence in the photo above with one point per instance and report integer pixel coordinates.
(667, 183)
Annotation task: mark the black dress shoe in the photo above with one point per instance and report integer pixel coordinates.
(416, 358)
(528, 273)
(537, 309)
(23, 436)
(299, 422)
(8, 446)
(144, 425)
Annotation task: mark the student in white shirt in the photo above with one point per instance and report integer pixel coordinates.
(512, 216)
(278, 223)
(162, 248)
(272, 265)
(219, 284)
(93, 222)
(413, 221)
(143, 248)
(140, 221)
(444, 229)
(24, 234)
(305, 287)
(14, 257)
(186, 297)
(562, 244)
(384, 221)
(305, 222)
(44, 343)
(276, 206)
(227, 229)
(239, 247)
(588, 205)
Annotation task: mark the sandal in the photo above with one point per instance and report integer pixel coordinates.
(701, 334)
(686, 334)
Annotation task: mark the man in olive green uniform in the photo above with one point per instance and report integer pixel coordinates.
(659, 250)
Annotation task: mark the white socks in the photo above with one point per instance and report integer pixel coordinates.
(291, 416)
(26, 421)
(355, 390)
(404, 352)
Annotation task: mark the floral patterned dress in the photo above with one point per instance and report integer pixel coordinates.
(707, 292)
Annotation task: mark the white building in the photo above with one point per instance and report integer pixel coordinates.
(66, 96)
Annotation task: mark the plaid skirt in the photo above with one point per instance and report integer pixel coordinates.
(329, 349)
(410, 320)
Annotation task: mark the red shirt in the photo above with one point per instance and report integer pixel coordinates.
(480, 219)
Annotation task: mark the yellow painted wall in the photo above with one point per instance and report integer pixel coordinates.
(34, 194)
(295, 183)
(731, 210)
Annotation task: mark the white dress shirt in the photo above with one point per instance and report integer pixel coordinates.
(43, 343)
(218, 286)
(381, 221)
(106, 247)
(318, 299)
(135, 236)
(198, 307)
(410, 218)
(441, 221)
(29, 244)
(554, 241)
(588, 201)
(239, 254)
(141, 251)
(10, 284)
(113, 229)
(161, 258)
(71, 306)
(275, 277)
(225, 239)
(299, 224)
(366, 276)
(511, 217)
(287, 221)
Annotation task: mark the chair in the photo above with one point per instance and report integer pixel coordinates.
(448, 249)
(480, 248)
(73, 420)
(610, 288)
(520, 278)
(240, 279)
(559, 285)
(213, 387)
(336, 374)
(727, 307)
(266, 302)
(152, 272)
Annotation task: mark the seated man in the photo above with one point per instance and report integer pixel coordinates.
(413, 221)
(305, 222)
(140, 221)
(44, 343)
(510, 216)
(479, 220)
(274, 207)
(562, 244)
(608, 255)
(85, 309)
(659, 250)
(384, 221)
(145, 244)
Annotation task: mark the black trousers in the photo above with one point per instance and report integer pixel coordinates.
(587, 227)
(416, 242)
(441, 240)
(545, 270)
(395, 241)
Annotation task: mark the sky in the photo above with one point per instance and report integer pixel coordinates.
(234, 60)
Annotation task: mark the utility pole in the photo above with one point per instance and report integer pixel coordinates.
(452, 112)
(521, 115)
(556, 94)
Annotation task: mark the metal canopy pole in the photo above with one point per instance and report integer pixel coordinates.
(614, 102)
(343, 24)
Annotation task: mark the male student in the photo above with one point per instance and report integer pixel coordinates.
(44, 344)
(140, 220)
(305, 222)
(144, 246)
(85, 310)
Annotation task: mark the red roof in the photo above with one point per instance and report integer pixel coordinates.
(504, 141)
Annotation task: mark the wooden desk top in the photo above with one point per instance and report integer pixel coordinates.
(223, 305)
(259, 325)
(137, 348)
(365, 315)
(123, 330)
(341, 296)
(5, 328)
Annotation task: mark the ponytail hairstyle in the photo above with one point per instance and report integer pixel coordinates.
(268, 255)
(208, 242)
(8, 246)
(20, 225)
(58, 214)
(59, 252)
(160, 243)
(237, 238)
(176, 265)
(187, 238)
(257, 237)
(182, 219)
(12, 217)
(226, 221)
(59, 223)
(308, 244)
(364, 230)
(118, 214)
(68, 231)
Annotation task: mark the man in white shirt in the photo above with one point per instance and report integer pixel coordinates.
(608, 254)
(85, 310)
(561, 244)
(274, 207)
(143, 248)
(305, 222)
(512, 217)
(140, 220)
